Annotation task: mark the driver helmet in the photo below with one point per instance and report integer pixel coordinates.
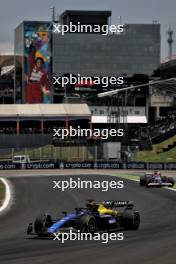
(157, 173)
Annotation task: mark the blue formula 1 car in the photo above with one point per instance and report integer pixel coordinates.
(94, 217)
(155, 179)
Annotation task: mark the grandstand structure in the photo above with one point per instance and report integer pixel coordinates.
(61, 115)
(7, 78)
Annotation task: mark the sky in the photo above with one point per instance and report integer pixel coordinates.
(13, 12)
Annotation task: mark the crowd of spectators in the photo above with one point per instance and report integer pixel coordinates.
(8, 130)
(162, 126)
(26, 130)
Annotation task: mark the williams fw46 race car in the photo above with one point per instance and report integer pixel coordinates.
(94, 217)
(156, 179)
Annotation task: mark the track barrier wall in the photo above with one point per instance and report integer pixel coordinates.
(88, 165)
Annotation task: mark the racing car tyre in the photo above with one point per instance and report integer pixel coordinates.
(130, 220)
(88, 224)
(148, 180)
(171, 180)
(142, 180)
(42, 222)
(164, 178)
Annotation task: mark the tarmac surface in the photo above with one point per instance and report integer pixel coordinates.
(153, 243)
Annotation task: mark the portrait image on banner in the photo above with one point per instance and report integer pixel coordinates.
(37, 63)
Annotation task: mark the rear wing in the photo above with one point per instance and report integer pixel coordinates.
(110, 203)
(148, 174)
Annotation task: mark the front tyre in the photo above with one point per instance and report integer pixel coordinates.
(143, 180)
(41, 223)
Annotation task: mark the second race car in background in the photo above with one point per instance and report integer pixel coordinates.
(156, 179)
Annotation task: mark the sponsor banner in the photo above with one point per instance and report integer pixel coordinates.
(107, 165)
(170, 166)
(155, 166)
(9, 166)
(77, 165)
(89, 165)
(133, 165)
(39, 166)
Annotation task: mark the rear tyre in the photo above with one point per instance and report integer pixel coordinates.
(171, 180)
(88, 224)
(130, 220)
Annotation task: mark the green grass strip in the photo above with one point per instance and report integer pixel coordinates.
(2, 192)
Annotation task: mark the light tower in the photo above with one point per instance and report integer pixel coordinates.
(52, 8)
(170, 41)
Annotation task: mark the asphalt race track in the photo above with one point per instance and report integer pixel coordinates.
(153, 243)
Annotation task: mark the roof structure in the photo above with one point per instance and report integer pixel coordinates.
(44, 110)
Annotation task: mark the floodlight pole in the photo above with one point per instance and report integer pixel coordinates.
(100, 95)
(52, 8)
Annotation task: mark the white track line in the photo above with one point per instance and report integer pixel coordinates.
(171, 189)
(7, 195)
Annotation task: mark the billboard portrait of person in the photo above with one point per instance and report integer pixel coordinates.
(37, 90)
(37, 67)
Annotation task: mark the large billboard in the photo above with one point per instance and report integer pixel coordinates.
(37, 66)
